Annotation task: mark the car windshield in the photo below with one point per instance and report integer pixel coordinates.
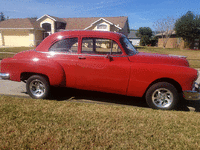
(128, 47)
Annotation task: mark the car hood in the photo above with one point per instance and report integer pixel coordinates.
(151, 58)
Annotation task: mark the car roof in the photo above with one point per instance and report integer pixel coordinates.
(45, 44)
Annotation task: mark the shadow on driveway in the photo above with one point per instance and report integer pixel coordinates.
(68, 94)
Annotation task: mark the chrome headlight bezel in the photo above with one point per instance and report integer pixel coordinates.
(196, 87)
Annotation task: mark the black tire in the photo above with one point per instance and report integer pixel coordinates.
(162, 95)
(38, 87)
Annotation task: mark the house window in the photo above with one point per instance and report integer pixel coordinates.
(47, 28)
(102, 26)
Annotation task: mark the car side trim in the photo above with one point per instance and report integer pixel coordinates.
(57, 53)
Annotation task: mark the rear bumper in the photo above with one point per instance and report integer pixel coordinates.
(194, 94)
(5, 76)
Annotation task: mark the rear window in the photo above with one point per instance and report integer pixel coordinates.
(69, 45)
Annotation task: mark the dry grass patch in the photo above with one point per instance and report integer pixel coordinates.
(193, 56)
(12, 50)
(15, 49)
(45, 124)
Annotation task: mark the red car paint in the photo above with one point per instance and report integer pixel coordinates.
(121, 74)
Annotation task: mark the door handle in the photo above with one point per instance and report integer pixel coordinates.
(81, 58)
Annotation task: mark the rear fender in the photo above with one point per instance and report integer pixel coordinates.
(49, 68)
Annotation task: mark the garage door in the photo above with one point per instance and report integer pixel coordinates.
(17, 38)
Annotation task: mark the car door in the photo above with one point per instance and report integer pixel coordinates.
(65, 52)
(102, 67)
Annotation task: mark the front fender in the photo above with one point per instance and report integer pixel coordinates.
(142, 75)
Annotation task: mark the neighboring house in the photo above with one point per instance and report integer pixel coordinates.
(20, 32)
(30, 32)
(172, 42)
(133, 38)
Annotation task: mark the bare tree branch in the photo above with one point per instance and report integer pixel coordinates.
(165, 27)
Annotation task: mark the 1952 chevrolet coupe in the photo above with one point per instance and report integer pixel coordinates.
(102, 61)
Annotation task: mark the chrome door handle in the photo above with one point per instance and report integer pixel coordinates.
(81, 58)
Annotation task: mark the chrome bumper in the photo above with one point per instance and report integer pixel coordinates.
(194, 94)
(5, 76)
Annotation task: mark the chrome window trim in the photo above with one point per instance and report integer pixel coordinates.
(78, 54)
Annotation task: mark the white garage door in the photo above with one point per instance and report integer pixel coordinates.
(16, 38)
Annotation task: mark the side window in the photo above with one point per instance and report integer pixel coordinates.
(100, 46)
(69, 45)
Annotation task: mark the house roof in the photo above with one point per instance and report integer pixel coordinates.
(84, 23)
(53, 18)
(71, 23)
(172, 32)
(132, 34)
(20, 23)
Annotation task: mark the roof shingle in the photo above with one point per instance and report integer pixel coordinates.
(82, 23)
(71, 23)
(20, 23)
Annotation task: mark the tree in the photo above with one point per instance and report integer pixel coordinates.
(2, 17)
(34, 17)
(188, 27)
(165, 28)
(145, 34)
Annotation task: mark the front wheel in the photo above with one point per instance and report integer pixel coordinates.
(38, 87)
(162, 95)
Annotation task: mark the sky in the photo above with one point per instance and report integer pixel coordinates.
(141, 13)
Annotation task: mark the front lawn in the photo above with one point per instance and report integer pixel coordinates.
(51, 124)
(7, 52)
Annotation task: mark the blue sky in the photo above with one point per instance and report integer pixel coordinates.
(141, 13)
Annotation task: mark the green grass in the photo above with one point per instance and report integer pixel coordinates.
(50, 124)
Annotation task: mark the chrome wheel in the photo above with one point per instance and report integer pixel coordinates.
(162, 95)
(37, 88)
(162, 98)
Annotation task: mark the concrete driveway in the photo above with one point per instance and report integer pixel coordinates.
(12, 88)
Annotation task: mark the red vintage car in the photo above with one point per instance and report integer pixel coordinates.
(102, 61)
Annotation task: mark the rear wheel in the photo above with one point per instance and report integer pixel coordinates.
(38, 87)
(162, 95)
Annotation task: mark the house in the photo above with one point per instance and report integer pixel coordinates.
(30, 32)
(133, 38)
(172, 42)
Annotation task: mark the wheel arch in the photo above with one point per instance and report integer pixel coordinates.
(168, 80)
(25, 75)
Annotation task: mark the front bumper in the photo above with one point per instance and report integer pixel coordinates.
(194, 94)
(5, 76)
